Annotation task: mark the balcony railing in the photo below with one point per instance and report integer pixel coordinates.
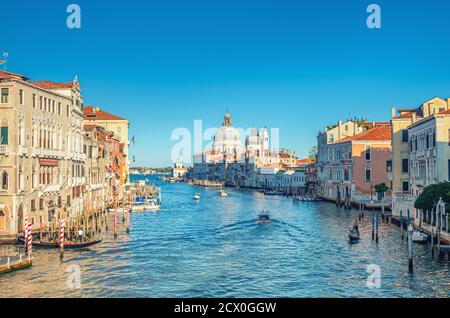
(4, 149)
(22, 150)
(48, 153)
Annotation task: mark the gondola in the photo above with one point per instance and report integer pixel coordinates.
(353, 236)
(67, 246)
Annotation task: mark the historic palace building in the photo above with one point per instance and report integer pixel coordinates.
(420, 151)
(43, 153)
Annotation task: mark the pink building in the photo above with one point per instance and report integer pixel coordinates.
(357, 164)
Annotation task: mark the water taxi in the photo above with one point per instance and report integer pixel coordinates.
(263, 218)
(197, 196)
(222, 193)
(273, 192)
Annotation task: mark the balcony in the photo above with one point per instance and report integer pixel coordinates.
(21, 150)
(48, 153)
(4, 149)
(50, 188)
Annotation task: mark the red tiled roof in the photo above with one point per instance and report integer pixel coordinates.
(377, 133)
(9, 75)
(406, 115)
(54, 85)
(304, 162)
(95, 113)
(271, 165)
(445, 112)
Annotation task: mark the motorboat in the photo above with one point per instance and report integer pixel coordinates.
(264, 218)
(197, 196)
(222, 193)
(306, 199)
(273, 192)
(419, 237)
(146, 204)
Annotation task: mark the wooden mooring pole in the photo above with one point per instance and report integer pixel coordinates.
(401, 224)
(115, 214)
(373, 225)
(376, 237)
(410, 249)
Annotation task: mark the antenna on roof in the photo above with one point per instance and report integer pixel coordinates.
(5, 60)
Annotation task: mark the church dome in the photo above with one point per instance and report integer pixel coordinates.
(227, 138)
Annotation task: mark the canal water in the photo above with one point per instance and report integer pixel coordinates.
(214, 248)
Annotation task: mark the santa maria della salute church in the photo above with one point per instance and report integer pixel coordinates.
(230, 162)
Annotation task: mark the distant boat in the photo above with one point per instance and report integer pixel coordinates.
(306, 199)
(263, 218)
(273, 192)
(197, 196)
(222, 193)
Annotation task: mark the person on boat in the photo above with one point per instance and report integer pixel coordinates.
(80, 235)
(356, 227)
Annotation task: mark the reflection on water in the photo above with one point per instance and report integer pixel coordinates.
(214, 248)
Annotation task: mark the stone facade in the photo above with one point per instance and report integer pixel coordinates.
(419, 151)
(42, 158)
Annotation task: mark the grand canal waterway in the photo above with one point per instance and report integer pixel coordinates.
(214, 248)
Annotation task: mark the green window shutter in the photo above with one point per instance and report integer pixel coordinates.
(4, 135)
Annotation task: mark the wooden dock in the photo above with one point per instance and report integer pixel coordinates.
(14, 263)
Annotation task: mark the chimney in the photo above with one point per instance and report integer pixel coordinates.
(414, 117)
(394, 112)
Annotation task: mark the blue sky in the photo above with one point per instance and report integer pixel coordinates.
(294, 65)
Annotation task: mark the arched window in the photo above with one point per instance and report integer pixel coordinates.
(2, 221)
(4, 132)
(368, 154)
(4, 181)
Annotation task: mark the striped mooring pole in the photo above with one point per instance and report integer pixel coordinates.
(25, 233)
(61, 239)
(30, 239)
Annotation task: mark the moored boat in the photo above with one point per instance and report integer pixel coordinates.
(273, 192)
(419, 237)
(14, 263)
(56, 245)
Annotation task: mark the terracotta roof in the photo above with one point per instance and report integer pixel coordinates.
(445, 112)
(304, 162)
(377, 133)
(54, 85)
(271, 165)
(9, 75)
(406, 115)
(95, 113)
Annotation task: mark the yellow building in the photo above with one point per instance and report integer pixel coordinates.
(118, 125)
(403, 181)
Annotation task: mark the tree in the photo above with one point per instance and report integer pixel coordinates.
(313, 154)
(381, 188)
(430, 196)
